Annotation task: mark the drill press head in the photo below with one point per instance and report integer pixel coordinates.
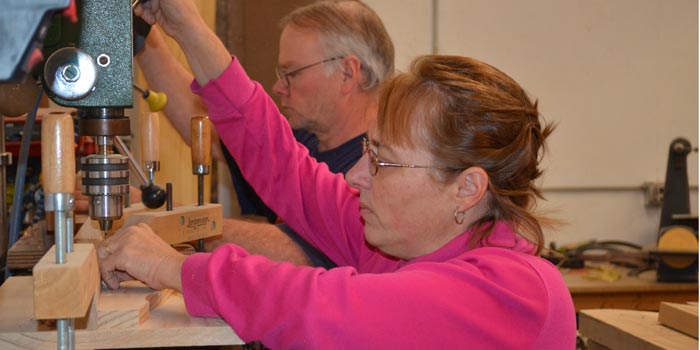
(95, 76)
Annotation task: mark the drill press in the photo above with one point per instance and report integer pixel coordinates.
(96, 78)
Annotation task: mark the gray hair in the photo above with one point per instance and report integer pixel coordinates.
(349, 27)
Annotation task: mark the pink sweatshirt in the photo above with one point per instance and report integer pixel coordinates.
(498, 296)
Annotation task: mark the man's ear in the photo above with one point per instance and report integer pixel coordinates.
(351, 68)
(473, 184)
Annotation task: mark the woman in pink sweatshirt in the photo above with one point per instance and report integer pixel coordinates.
(431, 230)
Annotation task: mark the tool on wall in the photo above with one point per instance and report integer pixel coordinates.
(677, 244)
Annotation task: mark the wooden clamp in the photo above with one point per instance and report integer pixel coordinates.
(182, 224)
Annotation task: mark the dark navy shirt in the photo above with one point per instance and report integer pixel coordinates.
(339, 160)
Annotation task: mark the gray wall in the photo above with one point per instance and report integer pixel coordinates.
(620, 77)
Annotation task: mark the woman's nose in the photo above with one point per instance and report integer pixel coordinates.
(358, 177)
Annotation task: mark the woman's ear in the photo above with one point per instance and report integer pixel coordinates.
(473, 184)
(351, 68)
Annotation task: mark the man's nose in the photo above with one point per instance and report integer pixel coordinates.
(279, 89)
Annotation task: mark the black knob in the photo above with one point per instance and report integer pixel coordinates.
(153, 196)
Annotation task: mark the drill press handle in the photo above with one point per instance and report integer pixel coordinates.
(58, 153)
(149, 126)
(201, 145)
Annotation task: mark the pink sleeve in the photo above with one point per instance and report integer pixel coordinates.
(422, 306)
(319, 205)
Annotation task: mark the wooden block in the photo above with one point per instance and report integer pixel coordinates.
(681, 317)
(66, 290)
(129, 306)
(182, 224)
(631, 330)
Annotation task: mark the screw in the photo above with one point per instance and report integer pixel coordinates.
(70, 73)
(103, 60)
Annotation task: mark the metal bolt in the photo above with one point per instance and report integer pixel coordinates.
(103, 60)
(71, 73)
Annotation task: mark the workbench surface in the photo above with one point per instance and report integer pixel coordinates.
(641, 292)
(167, 324)
(631, 330)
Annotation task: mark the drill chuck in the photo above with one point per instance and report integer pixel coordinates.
(105, 179)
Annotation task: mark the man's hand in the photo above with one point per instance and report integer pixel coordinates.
(174, 16)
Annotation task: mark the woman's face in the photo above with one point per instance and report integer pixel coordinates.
(406, 213)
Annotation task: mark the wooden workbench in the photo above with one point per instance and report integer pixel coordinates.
(166, 324)
(631, 330)
(642, 292)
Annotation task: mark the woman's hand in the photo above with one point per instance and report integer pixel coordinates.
(176, 17)
(136, 252)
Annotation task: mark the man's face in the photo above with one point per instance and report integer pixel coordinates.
(309, 100)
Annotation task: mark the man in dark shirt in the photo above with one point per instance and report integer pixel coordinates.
(333, 55)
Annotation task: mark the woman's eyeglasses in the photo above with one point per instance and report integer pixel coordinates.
(375, 163)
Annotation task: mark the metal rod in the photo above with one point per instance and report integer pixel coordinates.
(62, 334)
(60, 234)
(125, 151)
(200, 190)
(69, 231)
(71, 334)
(169, 194)
(599, 188)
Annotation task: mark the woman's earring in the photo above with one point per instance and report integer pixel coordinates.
(459, 216)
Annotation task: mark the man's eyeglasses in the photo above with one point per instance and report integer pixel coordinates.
(284, 76)
(375, 163)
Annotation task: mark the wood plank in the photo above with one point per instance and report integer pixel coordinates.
(631, 330)
(168, 325)
(129, 306)
(681, 317)
(65, 290)
(28, 249)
